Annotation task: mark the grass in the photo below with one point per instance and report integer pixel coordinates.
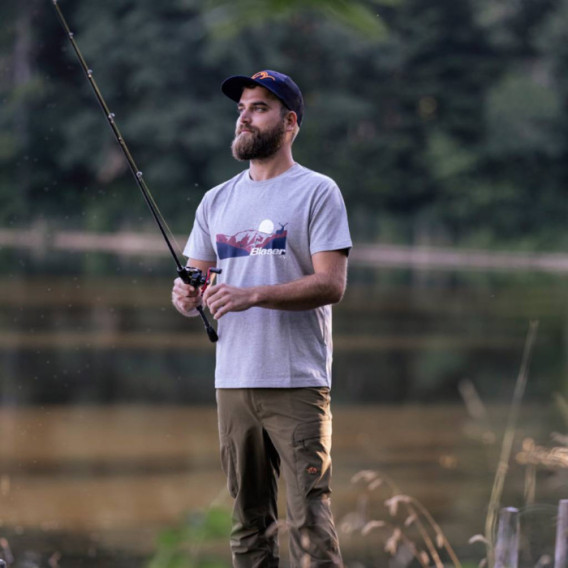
(410, 527)
(507, 445)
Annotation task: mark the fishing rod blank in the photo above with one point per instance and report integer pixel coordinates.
(190, 275)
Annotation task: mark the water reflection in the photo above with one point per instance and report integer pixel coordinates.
(93, 328)
(108, 433)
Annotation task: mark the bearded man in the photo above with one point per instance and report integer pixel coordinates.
(279, 232)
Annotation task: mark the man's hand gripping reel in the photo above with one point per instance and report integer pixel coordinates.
(195, 277)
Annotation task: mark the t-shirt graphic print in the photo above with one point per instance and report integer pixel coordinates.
(266, 240)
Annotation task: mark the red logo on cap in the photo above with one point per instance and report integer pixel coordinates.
(262, 75)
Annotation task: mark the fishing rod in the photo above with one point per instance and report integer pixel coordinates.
(190, 275)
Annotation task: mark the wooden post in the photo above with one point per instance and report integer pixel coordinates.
(507, 547)
(560, 555)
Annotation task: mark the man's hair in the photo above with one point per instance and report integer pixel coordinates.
(284, 110)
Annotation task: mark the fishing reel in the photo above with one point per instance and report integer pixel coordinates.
(195, 277)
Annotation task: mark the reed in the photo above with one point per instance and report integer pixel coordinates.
(507, 444)
(432, 540)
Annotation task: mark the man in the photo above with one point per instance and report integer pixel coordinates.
(279, 232)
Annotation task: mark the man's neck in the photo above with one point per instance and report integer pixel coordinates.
(262, 170)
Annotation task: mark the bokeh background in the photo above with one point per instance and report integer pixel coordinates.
(446, 126)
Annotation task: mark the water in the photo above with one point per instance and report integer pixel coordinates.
(108, 430)
(96, 329)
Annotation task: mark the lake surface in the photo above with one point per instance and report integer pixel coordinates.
(97, 485)
(108, 430)
(95, 328)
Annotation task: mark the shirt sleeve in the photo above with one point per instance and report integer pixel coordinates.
(329, 227)
(199, 245)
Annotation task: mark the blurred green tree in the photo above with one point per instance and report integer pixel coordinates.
(441, 121)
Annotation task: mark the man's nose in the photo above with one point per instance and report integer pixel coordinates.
(245, 117)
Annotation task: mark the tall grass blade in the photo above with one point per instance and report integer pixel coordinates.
(507, 445)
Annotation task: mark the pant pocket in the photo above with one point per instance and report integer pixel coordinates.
(312, 447)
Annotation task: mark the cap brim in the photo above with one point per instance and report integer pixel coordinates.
(233, 86)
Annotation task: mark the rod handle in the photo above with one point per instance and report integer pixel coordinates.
(211, 333)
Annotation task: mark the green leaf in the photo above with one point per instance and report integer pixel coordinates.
(229, 17)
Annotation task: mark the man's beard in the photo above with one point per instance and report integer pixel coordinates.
(257, 145)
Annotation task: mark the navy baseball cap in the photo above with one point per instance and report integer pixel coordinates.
(278, 84)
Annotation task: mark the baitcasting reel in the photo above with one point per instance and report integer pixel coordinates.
(195, 277)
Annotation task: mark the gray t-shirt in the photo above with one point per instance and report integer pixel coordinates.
(265, 232)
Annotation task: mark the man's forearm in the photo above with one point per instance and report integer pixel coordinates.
(305, 293)
(325, 286)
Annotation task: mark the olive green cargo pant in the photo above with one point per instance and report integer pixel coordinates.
(263, 431)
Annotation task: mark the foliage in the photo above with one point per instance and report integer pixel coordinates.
(442, 122)
(227, 17)
(179, 547)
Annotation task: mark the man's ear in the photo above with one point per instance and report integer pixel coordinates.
(291, 120)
